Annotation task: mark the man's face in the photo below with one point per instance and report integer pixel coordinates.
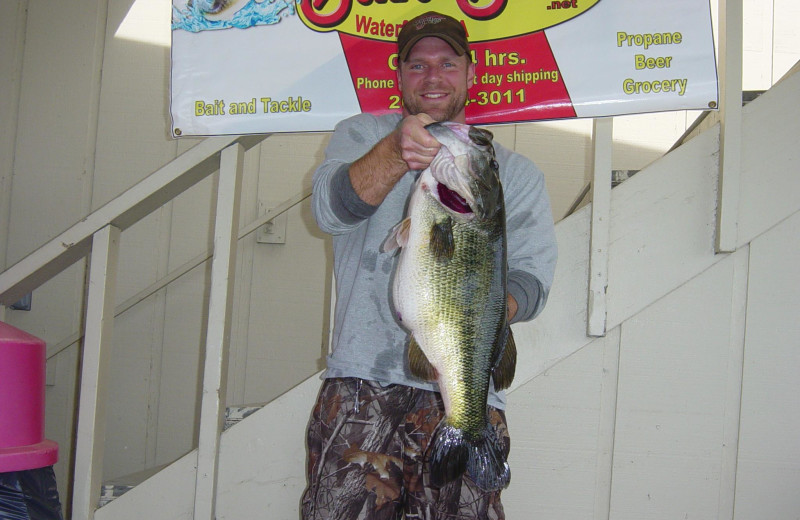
(434, 80)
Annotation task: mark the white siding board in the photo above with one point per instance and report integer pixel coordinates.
(562, 436)
(671, 412)
(169, 495)
(12, 26)
(133, 120)
(131, 130)
(178, 412)
(733, 397)
(665, 214)
(54, 114)
(128, 415)
(60, 403)
(640, 139)
(770, 159)
(286, 289)
(769, 447)
(131, 143)
(562, 150)
(288, 280)
(555, 423)
(560, 329)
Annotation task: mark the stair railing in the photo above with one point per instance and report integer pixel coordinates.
(97, 236)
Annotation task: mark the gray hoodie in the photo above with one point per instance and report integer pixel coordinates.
(367, 341)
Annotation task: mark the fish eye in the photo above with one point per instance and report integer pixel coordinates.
(494, 165)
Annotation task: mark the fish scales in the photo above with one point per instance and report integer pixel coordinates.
(458, 322)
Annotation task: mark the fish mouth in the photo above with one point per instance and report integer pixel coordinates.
(452, 200)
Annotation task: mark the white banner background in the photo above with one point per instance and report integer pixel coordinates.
(267, 69)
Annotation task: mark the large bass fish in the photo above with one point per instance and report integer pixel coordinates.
(449, 291)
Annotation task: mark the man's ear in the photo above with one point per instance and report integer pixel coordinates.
(470, 74)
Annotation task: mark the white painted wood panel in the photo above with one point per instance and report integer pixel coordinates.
(662, 222)
(640, 139)
(562, 150)
(288, 281)
(54, 115)
(129, 419)
(555, 423)
(769, 450)
(12, 26)
(770, 158)
(560, 329)
(60, 402)
(186, 304)
(671, 411)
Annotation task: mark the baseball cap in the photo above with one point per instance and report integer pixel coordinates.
(432, 24)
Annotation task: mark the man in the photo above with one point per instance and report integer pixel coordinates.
(373, 420)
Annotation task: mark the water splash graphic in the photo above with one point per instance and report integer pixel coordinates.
(192, 17)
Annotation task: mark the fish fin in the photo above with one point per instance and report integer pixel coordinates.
(418, 362)
(448, 456)
(398, 236)
(483, 460)
(503, 372)
(486, 464)
(443, 245)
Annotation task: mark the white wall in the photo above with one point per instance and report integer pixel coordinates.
(83, 117)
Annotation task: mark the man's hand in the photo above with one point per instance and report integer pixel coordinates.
(512, 307)
(416, 145)
(408, 147)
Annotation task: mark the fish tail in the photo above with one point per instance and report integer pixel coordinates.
(484, 460)
(487, 464)
(449, 455)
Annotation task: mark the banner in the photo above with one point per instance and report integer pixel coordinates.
(257, 66)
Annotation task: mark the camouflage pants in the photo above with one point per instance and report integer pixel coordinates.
(366, 448)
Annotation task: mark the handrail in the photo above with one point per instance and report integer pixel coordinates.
(140, 200)
(181, 270)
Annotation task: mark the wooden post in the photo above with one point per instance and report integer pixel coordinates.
(730, 155)
(601, 210)
(608, 424)
(212, 406)
(90, 437)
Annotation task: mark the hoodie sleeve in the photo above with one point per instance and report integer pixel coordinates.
(532, 249)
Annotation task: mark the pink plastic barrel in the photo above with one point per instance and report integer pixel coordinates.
(22, 366)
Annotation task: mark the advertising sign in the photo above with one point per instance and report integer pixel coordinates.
(256, 66)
